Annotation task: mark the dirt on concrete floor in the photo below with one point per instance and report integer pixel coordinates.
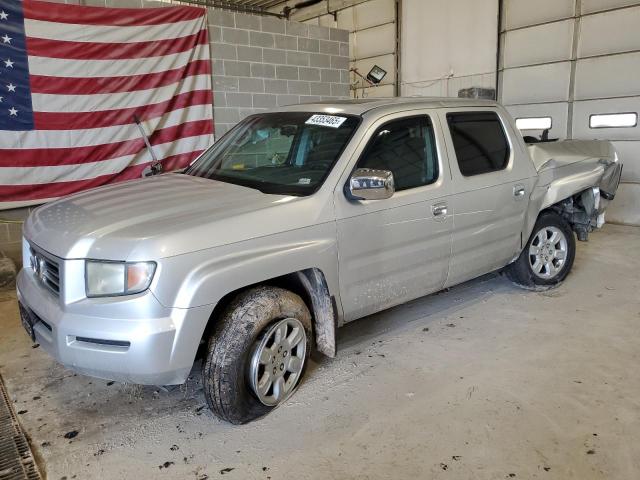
(485, 381)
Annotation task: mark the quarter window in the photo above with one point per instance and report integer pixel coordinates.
(406, 148)
(479, 141)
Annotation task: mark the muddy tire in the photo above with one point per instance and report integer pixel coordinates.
(547, 258)
(232, 363)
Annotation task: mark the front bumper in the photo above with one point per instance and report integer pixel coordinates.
(128, 339)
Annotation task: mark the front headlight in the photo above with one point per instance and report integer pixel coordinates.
(105, 279)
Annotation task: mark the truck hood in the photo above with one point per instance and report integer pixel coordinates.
(158, 217)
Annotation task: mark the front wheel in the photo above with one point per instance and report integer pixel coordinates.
(547, 257)
(257, 354)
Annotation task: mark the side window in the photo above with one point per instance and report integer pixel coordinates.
(407, 148)
(479, 141)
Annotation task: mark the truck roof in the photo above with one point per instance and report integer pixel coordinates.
(389, 105)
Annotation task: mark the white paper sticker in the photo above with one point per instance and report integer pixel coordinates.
(332, 121)
(304, 181)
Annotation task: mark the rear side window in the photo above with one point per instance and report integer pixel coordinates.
(407, 148)
(480, 142)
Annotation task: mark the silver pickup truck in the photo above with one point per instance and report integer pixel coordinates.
(294, 223)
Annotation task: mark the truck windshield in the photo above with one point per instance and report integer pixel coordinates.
(286, 153)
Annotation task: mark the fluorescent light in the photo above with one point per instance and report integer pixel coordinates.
(533, 123)
(613, 120)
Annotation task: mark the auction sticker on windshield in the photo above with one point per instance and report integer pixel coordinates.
(326, 120)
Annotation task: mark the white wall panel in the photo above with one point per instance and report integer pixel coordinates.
(609, 76)
(550, 42)
(629, 152)
(624, 208)
(557, 111)
(582, 110)
(521, 13)
(373, 41)
(610, 32)
(590, 6)
(366, 15)
(541, 83)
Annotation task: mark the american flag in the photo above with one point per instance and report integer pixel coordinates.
(72, 79)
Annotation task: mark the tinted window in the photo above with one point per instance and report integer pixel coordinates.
(479, 141)
(406, 148)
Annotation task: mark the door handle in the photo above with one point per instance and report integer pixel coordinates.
(519, 191)
(439, 209)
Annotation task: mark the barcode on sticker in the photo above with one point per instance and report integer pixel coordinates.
(332, 121)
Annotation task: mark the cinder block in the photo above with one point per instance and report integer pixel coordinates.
(296, 28)
(310, 98)
(276, 86)
(250, 22)
(298, 58)
(320, 60)
(223, 51)
(226, 115)
(219, 99)
(254, 85)
(221, 129)
(122, 3)
(264, 100)
(272, 24)
(298, 87)
(4, 234)
(235, 36)
(344, 76)
(239, 100)
(309, 74)
(330, 76)
(321, 33)
(224, 18)
(288, 100)
(339, 90)
(319, 88)
(339, 62)
(344, 49)
(237, 69)
(263, 70)
(339, 35)
(249, 54)
(217, 67)
(102, 3)
(226, 84)
(259, 39)
(286, 42)
(245, 112)
(327, 46)
(273, 56)
(215, 34)
(308, 45)
(286, 72)
(15, 232)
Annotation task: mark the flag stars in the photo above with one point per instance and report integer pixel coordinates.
(6, 39)
(8, 63)
(3, 15)
(13, 112)
(11, 87)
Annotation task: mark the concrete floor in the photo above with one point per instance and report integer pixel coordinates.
(486, 381)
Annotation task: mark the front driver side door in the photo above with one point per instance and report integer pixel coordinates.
(394, 250)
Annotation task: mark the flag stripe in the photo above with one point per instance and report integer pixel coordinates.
(44, 102)
(43, 157)
(53, 67)
(107, 33)
(98, 136)
(44, 47)
(51, 174)
(107, 118)
(50, 12)
(8, 193)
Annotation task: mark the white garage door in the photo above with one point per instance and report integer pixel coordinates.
(578, 62)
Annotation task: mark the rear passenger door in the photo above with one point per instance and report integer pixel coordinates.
(491, 188)
(393, 250)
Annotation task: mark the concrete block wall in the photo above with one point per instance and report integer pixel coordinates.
(262, 62)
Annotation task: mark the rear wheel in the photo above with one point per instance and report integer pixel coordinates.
(257, 354)
(547, 257)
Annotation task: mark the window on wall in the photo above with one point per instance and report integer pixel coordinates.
(533, 123)
(613, 120)
(407, 148)
(479, 141)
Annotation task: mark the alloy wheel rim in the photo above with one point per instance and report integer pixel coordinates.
(548, 252)
(277, 361)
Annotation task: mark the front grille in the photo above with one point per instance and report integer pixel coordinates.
(47, 269)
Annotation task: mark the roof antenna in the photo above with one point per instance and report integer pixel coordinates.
(155, 167)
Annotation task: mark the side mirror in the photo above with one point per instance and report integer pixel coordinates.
(370, 184)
